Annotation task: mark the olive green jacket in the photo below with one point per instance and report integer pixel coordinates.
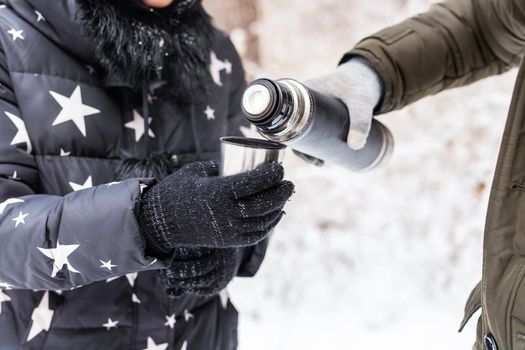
(456, 43)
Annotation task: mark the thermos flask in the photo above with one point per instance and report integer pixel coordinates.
(287, 111)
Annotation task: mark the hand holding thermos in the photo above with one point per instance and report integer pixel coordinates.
(330, 120)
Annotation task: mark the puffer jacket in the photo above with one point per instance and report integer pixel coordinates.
(73, 268)
(455, 43)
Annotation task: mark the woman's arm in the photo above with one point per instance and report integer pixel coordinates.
(52, 242)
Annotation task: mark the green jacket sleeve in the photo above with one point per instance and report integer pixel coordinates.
(455, 43)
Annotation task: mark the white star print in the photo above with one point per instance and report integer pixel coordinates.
(60, 256)
(142, 187)
(64, 153)
(250, 132)
(73, 109)
(187, 315)
(216, 66)
(153, 346)
(223, 295)
(2, 7)
(77, 187)
(9, 201)
(151, 263)
(16, 34)
(6, 286)
(112, 183)
(20, 219)
(41, 318)
(210, 113)
(107, 265)
(137, 124)
(131, 277)
(135, 298)
(21, 136)
(39, 16)
(3, 297)
(110, 324)
(184, 345)
(14, 176)
(170, 321)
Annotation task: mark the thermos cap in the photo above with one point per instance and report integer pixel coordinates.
(256, 99)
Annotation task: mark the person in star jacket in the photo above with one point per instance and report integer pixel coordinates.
(116, 231)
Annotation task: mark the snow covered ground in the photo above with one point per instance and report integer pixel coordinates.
(384, 259)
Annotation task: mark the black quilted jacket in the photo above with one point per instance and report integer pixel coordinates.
(73, 272)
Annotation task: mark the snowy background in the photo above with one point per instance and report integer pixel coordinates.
(384, 259)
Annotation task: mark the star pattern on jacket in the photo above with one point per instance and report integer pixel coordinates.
(217, 66)
(6, 286)
(39, 17)
(187, 315)
(9, 201)
(16, 34)
(14, 177)
(3, 298)
(223, 295)
(250, 131)
(131, 277)
(60, 255)
(73, 109)
(135, 299)
(110, 324)
(170, 321)
(137, 125)
(210, 113)
(107, 264)
(142, 187)
(77, 187)
(153, 346)
(41, 318)
(21, 135)
(20, 219)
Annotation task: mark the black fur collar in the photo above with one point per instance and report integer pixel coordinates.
(134, 43)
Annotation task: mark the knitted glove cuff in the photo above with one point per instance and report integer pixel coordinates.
(151, 219)
(356, 80)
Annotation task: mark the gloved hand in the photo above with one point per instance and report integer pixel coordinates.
(194, 207)
(200, 271)
(360, 88)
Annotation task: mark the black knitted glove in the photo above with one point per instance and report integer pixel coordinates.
(200, 271)
(195, 208)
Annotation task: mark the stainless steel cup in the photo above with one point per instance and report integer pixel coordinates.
(240, 154)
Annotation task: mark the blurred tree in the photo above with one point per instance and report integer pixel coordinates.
(238, 17)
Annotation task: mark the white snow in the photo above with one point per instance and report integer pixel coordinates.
(384, 259)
